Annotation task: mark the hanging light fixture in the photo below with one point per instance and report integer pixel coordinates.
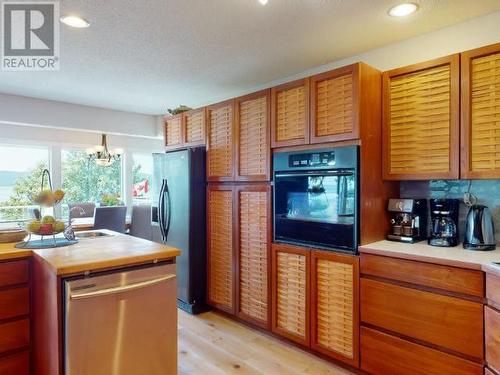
(102, 155)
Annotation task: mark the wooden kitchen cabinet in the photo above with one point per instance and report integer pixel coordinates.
(239, 240)
(253, 137)
(436, 276)
(173, 132)
(220, 141)
(419, 317)
(448, 322)
(384, 354)
(220, 254)
(15, 317)
(334, 105)
(194, 122)
(253, 239)
(186, 129)
(291, 294)
(492, 338)
(335, 305)
(290, 114)
(480, 132)
(421, 120)
(15, 364)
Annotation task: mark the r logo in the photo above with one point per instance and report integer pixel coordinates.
(30, 35)
(29, 29)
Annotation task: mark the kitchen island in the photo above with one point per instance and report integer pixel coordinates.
(43, 291)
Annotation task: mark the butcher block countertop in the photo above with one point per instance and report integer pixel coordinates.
(8, 252)
(91, 254)
(451, 256)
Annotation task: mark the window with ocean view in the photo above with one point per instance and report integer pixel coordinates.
(20, 177)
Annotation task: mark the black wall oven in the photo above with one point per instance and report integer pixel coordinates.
(316, 198)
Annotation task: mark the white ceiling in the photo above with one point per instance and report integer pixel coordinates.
(146, 56)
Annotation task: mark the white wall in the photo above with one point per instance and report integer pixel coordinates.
(51, 122)
(467, 35)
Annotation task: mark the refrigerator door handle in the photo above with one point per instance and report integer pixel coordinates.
(161, 210)
(169, 210)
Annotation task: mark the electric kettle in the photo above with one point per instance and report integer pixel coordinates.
(479, 229)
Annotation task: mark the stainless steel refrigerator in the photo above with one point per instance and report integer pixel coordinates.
(178, 217)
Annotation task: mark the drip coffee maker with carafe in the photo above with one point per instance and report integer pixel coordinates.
(444, 222)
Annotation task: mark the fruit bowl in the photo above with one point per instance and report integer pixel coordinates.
(48, 226)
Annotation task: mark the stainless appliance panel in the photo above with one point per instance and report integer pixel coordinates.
(122, 323)
(316, 198)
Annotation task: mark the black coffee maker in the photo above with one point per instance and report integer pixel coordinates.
(444, 222)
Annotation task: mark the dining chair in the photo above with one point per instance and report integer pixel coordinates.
(140, 223)
(77, 210)
(112, 218)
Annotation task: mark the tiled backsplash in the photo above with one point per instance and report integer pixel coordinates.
(486, 191)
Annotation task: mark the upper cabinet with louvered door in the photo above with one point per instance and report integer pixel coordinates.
(173, 132)
(421, 121)
(194, 127)
(290, 114)
(335, 305)
(253, 148)
(290, 286)
(220, 247)
(220, 140)
(481, 113)
(254, 244)
(335, 105)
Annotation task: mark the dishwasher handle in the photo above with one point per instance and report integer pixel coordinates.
(121, 289)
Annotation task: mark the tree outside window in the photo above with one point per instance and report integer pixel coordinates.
(85, 181)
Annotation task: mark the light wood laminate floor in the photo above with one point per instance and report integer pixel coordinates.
(211, 344)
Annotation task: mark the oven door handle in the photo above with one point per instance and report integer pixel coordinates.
(315, 174)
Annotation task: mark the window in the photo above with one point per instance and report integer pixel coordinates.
(142, 171)
(85, 181)
(20, 177)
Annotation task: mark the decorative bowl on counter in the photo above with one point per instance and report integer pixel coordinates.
(12, 235)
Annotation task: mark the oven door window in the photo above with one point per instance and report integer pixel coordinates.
(316, 209)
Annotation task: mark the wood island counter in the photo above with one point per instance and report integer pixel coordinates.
(99, 253)
(90, 257)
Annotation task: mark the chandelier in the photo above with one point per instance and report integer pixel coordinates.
(102, 155)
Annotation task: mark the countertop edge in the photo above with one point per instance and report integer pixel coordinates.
(21, 254)
(423, 258)
(491, 269)
(96, 266)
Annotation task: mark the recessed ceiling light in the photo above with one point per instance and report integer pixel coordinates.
(263, 2)
(402, 10)
(75, 21)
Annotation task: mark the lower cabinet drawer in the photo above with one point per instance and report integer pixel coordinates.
(492, 338)
(447, 322)
(383, 354)
(17, 364)
(14, 302)
(14, 272)
(14, 335)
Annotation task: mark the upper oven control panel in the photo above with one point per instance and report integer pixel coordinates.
(345, 157)
(319, 159)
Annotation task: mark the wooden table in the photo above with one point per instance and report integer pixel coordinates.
(87, 223)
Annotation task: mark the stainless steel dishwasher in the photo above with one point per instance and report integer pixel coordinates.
(122, 323)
